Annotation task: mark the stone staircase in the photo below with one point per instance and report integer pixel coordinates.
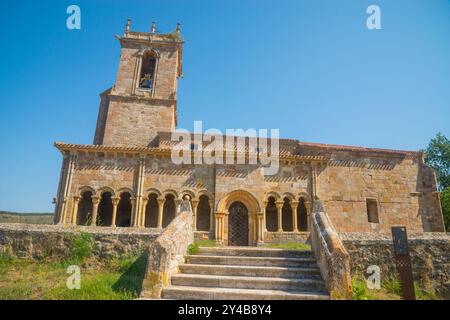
(237, 273)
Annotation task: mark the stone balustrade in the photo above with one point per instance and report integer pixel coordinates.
(331, 255)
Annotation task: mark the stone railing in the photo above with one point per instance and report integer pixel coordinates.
(166, 253)
(331, 255)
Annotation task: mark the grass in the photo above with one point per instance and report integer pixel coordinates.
(390, 290)
(116, 279)
(194, 248)
(32, 218)
(289, 246)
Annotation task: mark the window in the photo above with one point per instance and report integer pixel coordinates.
(146, 80)
(372, 210)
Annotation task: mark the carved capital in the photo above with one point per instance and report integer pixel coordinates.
(95, 200)
(279, 204)
(115, 201)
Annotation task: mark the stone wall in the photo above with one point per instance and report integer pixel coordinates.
(285, 237)
(166, 253)
(430, 256)
(42, 241)
(402, 186)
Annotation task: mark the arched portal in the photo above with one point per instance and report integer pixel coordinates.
(124, 210)
(253, 217)
(84, 213)
(238, 224)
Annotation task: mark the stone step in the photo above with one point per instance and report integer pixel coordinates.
(255, 252)
(250, 271)
(239, 282)
(251, 261)
(202, 293)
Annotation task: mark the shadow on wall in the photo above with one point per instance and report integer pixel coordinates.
(133, 276)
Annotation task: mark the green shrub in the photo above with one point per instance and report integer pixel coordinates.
(422, 294)
(81, 247)
(359, 289)
(193, 248)
(5, 262)
(445, 204)
(392, 285)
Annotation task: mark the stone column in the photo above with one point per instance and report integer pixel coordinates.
(294, 205)
(161, 202)
(68, 168)
(143, 210)
(264, 215)
(134, 213)
(220, 224)
(76, 201)
(95, 202)
(211, 216)
(260, 228)
(308, 206)
(194, 204)
(137, 210)
(279, 204)
(115, 202)
(62, 216)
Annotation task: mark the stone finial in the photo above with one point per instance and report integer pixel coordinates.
(153, 27)
(178, 28)
(127, 27)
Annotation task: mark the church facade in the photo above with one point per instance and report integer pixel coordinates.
(127, 178)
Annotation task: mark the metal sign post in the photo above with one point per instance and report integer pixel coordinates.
(403, 262)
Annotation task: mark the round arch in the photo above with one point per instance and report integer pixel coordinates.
(172, 192)
(152, 191)
(243, 196)
(123, 190)
(102, 190)
(83, 189)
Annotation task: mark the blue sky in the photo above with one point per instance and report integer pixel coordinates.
(310, 68)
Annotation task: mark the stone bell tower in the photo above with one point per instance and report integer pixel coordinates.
(143, 100)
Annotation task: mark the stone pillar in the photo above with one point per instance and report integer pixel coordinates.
(95, 202)
(134, 213)
(115, 202)
(308, 206)
(211, 216)
(260, 228)
(294, 205)
(143, 209)
(194, 204)
(137, 207)
(67, 171)
(220, 226)
(62, 217)
(76, 201)
(279, 204)
(264, 215)
(161, 202)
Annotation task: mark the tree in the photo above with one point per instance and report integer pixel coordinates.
(445, 204)
(437, 155)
